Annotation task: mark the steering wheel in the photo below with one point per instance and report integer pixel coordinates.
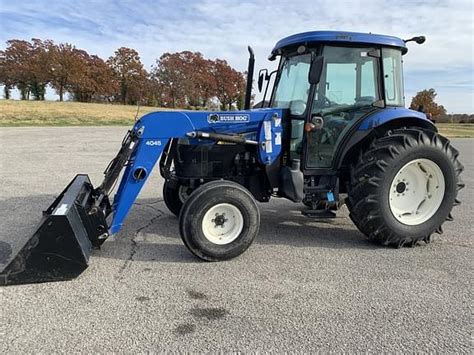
(324, 101)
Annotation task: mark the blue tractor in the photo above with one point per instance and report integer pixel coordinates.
(334, 130)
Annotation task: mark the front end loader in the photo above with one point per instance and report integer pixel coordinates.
(333, 131)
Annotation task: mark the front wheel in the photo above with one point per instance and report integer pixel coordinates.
(219, 221)
(404, 187)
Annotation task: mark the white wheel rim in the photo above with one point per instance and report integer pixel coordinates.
(416, 192)
(222, 223)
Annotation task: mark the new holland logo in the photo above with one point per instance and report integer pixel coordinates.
(228, 118)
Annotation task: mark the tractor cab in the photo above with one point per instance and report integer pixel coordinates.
(328, 82)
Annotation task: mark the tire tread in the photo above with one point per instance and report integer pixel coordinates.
(367, 173)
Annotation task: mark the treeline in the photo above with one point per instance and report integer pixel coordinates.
(456, 118)
(185, 79)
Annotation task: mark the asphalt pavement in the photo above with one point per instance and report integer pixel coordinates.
(303, 285)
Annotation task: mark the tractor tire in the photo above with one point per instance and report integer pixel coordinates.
(174, 196)
(219, 221)
(404, 186)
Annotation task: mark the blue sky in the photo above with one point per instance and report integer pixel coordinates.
(220, 28)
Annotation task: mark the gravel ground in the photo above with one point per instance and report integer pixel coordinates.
(303, 286)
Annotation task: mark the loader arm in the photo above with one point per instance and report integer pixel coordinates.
(138, 155)
(151, 134)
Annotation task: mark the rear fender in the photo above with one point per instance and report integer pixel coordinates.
(387, 115)
(376, 125)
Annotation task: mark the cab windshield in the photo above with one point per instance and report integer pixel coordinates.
(292, 87)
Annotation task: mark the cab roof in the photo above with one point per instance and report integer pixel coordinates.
(306, 38)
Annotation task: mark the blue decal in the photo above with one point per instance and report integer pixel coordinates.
(330, 196)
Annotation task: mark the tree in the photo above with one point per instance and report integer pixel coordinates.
(16, 66)
(169, 76)
(40, 67)
(230, 84)
(79, 79)
(65, 66)
(152, 96)
(129, 73)
(184, 79)
(5, 77)
(92, 79)
(27, 66)
(425, 100)
(200, 84)
(105, 85)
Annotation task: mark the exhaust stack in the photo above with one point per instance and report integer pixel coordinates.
(250, 69)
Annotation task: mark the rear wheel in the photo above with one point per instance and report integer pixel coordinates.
(404, 187)
(219, 221)
(174, 195)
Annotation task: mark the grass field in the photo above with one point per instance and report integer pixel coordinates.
(51, 113)
(456, 130)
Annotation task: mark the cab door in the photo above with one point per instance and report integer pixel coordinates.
(347, 90)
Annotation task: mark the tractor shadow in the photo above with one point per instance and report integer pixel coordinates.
(151, 232)
(284, 224)
(154, 233)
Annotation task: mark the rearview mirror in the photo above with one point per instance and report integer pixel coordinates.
(316, 70)
(262, 75)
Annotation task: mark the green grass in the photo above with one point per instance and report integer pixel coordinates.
(50, 113)
(456, 130)
(15, 113)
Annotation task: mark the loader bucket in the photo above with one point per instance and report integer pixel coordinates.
(61, 246)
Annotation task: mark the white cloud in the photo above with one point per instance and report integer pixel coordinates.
(224, 28)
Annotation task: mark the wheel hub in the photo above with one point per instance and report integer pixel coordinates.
(219, 220)
(222, 223)
(417, 191)
(401, 186)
